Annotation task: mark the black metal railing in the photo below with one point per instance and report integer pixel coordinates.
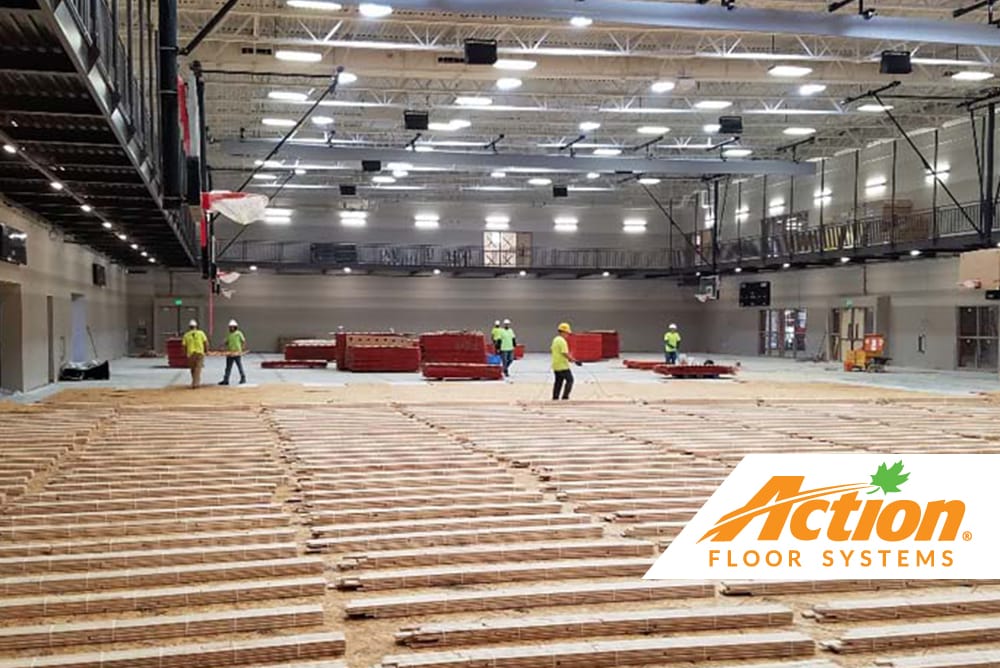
(875, 233)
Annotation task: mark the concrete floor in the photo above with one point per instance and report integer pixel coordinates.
(133, 373)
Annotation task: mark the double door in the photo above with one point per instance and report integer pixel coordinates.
(848, 328)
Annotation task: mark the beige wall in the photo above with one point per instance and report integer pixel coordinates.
(58, 269)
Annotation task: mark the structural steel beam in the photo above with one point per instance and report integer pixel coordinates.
(692, 16)
(258, 148)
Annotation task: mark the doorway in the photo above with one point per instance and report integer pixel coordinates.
(171, 321)
(11, 358)
(848, 327)
(782, 332)
(977, 337)
(78, 328)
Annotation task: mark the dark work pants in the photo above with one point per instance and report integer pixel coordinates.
(230, 361)
(563, 383)
(508, 358)
(671, 356)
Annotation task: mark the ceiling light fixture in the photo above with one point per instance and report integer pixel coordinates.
(565, 227)
(298, 56)
(811, 89)
(972, 75)
(875, 108)
(789, 71)
(593, 175)
(799, 132)
(514, 65)
(498, 174)
(430, 217)
(588, 126)
(86, 208)
(353, 222)
(353, 214)
(662, 86)
(653, 130)
(278, 122)
(287, 96)
(437, 272)
(607, 151)
(522, 273)
(371, 10)
(426, 224)
(915, 252)
(55, 185)
(134, 246)
(606, 274)
(122, 237)
(265, 177)
(10, 148)
(508, 83)
(711, 128)
(278, 220)
(540, 181)
(716, 105)
(383, 179)
(144, 254)
(845, 260)
(322, 120)
(253, 267)
(400, 173)
(473, 101)
(649, 181)
(300, 172)
(566, 220)
(737, 152)
(277, 212)
(581, 21)
(106, 225)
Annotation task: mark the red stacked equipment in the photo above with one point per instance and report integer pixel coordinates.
(519, 351)
(454, 348)
(311, 349)
(610, 342)
(380, 352)
(642, 365)
(585, 347)
(445, 370)
(176, 357)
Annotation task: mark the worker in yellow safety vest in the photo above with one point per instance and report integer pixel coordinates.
(508, 343)
(561, 360)
(195, 346)
(671, 343)
(495, 336)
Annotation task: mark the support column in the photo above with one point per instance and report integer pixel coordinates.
(169, 119)
(990, 202)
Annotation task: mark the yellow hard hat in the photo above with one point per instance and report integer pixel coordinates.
(564, 327)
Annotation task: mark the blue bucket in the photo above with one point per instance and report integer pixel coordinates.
(494, 359)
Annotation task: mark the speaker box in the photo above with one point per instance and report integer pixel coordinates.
(896, 62)
(193, 194)
(560, 191)
(415, 120)
(348, 190)
(371, 165)
(480, 51)
(755, 294)
(731, 125)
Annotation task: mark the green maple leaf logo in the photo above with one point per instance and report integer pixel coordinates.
(889, 478)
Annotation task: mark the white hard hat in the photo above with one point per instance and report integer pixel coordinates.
(506, 321)
(672, 326)
(233, 323)
(193, 323)
(496, 322)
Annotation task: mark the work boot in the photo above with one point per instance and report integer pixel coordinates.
(243, 381)
(223, 382)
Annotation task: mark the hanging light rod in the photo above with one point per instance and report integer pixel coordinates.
(962, 11)
(571, 144)
(870, 93)
(492, 146)
(647, 144)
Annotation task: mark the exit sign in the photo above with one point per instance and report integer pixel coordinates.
(178, 302)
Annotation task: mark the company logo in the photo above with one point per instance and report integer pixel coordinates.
(836, 516)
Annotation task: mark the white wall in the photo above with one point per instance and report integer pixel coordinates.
(269, 306)
(58, 269)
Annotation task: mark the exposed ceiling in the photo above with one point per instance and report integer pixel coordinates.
(601, 74)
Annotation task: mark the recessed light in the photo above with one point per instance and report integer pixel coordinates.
(371, 10)
(587, 126)
(581, 21)
(786, 265)
(152, 260)
(55, 185)
(315, 4)
(811, 89)
(473, 101)
(790, 71)
(711, 128)
(653, 130)
(298, 56)
(971, 75)
(144, 254)
(737, 152)
(515, 65)
(10, 148)
(106, 225)
(593, 175)
(606, 274)
(522, 273)
(498, 174)
(540, 181)
(713, 104)
(347, 78)
(287, 96)
(508, 83)
(253, 267)
(437, 272)
(383, 179)
(738, 270)
(649, 181)
(347, 270)
(607, 151)
(278, 122)
(874, 108)
(915, 252)
(123, 237)
(322, 120)
(663, 86)
(134, 246)
(799, 132)
(845, 260)
(86, 208)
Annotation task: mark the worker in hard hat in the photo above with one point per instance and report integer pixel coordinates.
(508, 342)
(195, 346)
(671, 344)
(236, 345)
(561, 361)
(495, 336)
